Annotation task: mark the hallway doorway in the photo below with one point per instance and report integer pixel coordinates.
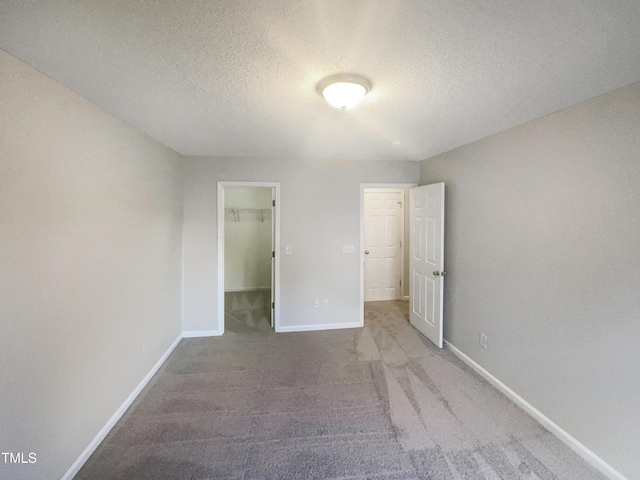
(384, 240)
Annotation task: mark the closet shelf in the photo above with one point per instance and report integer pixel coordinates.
(252, 213)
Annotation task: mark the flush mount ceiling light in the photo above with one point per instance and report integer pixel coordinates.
(343, 91)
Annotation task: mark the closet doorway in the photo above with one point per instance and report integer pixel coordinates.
(248, 230)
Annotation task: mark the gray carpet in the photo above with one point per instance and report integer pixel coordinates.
(376, 403)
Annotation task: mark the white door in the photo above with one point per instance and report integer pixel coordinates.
(426, 260)
(382, 244)
(273, 259)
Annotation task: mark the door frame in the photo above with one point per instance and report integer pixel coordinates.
(363, 186)
(276, 248)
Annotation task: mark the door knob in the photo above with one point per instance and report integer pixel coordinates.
(366, 252)
(439, 274)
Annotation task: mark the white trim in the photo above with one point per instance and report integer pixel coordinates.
(276, 264)
(246, 289)
(324, 326)
(391, 189)
(363, 186)
(220, 228)
(104, 431)
(201, 333)
(182, 279)
(590, 457)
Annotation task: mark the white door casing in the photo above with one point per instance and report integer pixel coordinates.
(383, 244)
(426, 260)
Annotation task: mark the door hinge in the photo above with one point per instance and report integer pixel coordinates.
(273, 203)
(273, 254)
(273, 305)
(400, 283)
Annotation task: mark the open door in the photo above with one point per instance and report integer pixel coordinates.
(272, 313)
(426, 260)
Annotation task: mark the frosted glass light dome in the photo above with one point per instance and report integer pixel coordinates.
(344, 91)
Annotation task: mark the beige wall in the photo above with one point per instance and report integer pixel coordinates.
(90, 259)
(320, 211)
(543, 255)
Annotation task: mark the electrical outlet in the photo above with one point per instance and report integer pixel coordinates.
(325, 303)
(483, 340)
(316, 304)
(288, 250)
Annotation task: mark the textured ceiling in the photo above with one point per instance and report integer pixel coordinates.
(238, 77)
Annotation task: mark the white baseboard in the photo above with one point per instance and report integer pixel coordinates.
(308, 328)
(201, 333)
(590, 457)
(84, 456)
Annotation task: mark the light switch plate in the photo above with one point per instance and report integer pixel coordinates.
(348, 249)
